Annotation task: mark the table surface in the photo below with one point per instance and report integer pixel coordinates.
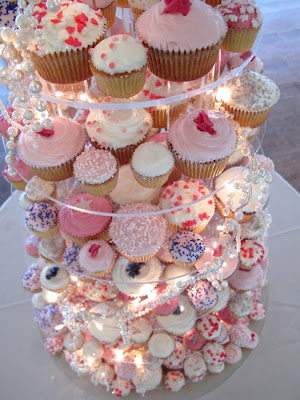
(271, 372)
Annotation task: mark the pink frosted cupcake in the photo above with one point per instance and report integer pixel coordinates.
(244, 21)
(97, 258)
(138, 238)
(41, 219)
(32, 246)
(81, 226)
(17, 181)
(202, 143)
(56, 149)
(97, 171)
(4, 125)
(237, 60)
(246, 280)
(169, 306)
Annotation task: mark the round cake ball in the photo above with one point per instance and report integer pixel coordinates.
(161, 345)
(186, 247)
(240, 305)
(174, 381)
(216, 369)
(209, 326)
(203, 295)
(195, 367)
(121, 387)
(175, 360)
(233, 353)
(103, 375)
(149, 380)
(140, 330)
(74, 342)
(213, 353)
(193, 340)
(54, 345)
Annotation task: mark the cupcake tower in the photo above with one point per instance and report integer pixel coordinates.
(146, 216)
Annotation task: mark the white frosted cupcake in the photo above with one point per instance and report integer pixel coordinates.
(119, 131)
(140, 330)
(106, 328)
(44, 190)
(52, 249)
(152, 164)
(149, 380)
(54, 278)
(97, 258)
(161, 345)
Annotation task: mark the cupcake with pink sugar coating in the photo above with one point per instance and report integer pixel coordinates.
(81, 226)
(244, 21)
(32, 246)
(97, 258)
(17, 180)
(138, 238)
(41, 219)
(193, 340)
(31, 279)
(202, 143)
(97, 171)
(169, 306)
(56, 149)
(178, 57)
(213, 250)
(246, 280)
(237, 60)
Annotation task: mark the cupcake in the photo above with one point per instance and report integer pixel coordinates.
(140, 330)
(31, 279)
(38, 301)
(250, 97)
(106, 7)
(195, 217)
(4, 124)
(68, 33)
(203, 295)
(256, 228)
(140, 6)
(18, 181)
(168, 306)
(132, 278)
(50, 317)
(240, 305)
(172, 55)
(32, 246)
(39, 190)
(161, 345)
(97, 258)
(246, 279)
(234, 175)
(82, 226)
(156, 88)
(53, 151)
(174, 381)
(52, 249)
(176, 358)
(54, 278)
(193, 341)
(72, 342)
(119, 131)
(106, 328)
(152, 164)
(41, 219)
(149, 380)
(202, 143)
(214, 354)
(138, 238)
(129, 191)
(252, 253)
(119, 65)
(209, 326)
(174, 274)
(186, 247)
(237, 60)
(195, 367)
(125, 368)
(223, 297)
(97, 171)
(244, 21)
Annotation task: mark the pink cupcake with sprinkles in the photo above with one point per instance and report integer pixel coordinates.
(97, 171)
(186, 247)
(203, 295)
(252, 253)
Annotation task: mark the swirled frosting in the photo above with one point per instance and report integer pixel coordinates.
(65, 143)
(74, 26)
(203, 26)
(139, 235)
(96, 255)
(118, 128)
(41, 216)
(80, 223)
(191, 143)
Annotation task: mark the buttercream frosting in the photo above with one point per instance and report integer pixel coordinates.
(118, 54)
(203, 295)
(65, 141)
(186, 246)
(96, 255)
(203, 27)
(152, 159)
(41, 216)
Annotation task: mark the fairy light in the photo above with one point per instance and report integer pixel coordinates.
(223, 94)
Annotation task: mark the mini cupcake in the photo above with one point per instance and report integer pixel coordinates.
(32, 246)
(140, 6)
(178, 57)
(168, 306)
(250, 97)
(233, 175)
(186, 247)
(39, 190)
(244, 21)
(53, 151)
(161, 345)
(119, 131)
(54, 278)
(156, 88)
(176, 358)
(203, 295)
(49, 318)
(106, 328)
(149, 380)
(195, 367)
(193, 340)
(140, 330)
(129, 191)
(195, 217)
(223, 298)
(97, 171)
(132, 278)
(152, 164)
(214, 354)
(125, 368)
(41, 219)
(38, 301)
(252, 254)
(107, 9)
(4, 124)
(233, 353)
(174, 381)
(77, 28)
(72, 342)
(240, 305)
(97, 258)
(202, 143)
(138, 238)
(119, 65)
(209, 326)
(81, 226)
(256, 228)
(237, 60)
(52, 249)
(54, 344)
(18, 181)
(246, 280)
(31, 279)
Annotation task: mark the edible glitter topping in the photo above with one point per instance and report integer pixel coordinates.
(186, 246)
(209, 326)
(252, 253)
(240, 15)
(41, 216)
(204, 123)
(203, 295)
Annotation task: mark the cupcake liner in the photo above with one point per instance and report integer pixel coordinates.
(136, 12)
(123, 4)
(150, 182)
(59, 290)
(160, 117)
(239, 40)
(182, 66)
(80, 241)
(213, 3)
(174, 176)
(138, 258)
(196, 228)
(184, 264)
(220, 207)
(101, 189)
(64, 67)
(18, 185)
(100, 274)
(109, 13)
(36, 291)
(253, 119)
(46, 235)
(121, 85)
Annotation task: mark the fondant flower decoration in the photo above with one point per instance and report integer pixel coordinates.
(177, 6)
(94, 249)
(204, 124)
(46, 132)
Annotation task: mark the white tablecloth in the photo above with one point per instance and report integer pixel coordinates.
(270, 373)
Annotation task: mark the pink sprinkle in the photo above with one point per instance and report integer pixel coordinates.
(117, 121)
(98, 130)
(111, 45)
(141, 131)
(103, 55)
(124, 130)
(147, 123)
(112, 64)
(124, 38)
(115, 39)
(103, 144)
